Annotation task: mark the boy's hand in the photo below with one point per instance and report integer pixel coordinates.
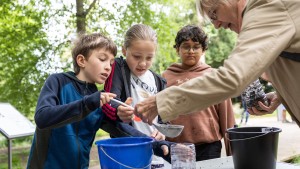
(158, 135)
(125, 113)
(165, 149)
(162, 149)
(105, 97)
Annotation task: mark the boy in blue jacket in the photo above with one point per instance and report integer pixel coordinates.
(68, 112)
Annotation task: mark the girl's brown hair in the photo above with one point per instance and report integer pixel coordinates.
(139, 32)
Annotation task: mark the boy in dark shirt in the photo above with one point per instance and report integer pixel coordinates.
(68, 112)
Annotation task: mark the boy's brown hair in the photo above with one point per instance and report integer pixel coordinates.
(88, 42)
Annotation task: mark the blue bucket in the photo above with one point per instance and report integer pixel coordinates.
(125, 152)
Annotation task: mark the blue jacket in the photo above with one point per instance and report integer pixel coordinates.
(67, 118)
(68, 115)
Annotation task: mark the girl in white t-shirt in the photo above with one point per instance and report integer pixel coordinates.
(132, 81)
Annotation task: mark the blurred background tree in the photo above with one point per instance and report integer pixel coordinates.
(220, 45)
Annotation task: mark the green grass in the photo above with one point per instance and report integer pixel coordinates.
(20, 152)
(19, 158)
(296, 160)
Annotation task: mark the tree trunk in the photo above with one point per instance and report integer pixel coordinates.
(80, 17)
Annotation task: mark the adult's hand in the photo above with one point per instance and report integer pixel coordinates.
(125, 113)
(274, 103)
(147, 110)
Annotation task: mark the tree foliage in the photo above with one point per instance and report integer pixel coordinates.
(23, 44)
(167, 28)
(221, 42)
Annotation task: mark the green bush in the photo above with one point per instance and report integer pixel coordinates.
(296, 160)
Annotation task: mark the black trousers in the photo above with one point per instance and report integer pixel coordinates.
(208, 151)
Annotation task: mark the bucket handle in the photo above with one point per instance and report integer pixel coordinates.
(265, 130)
(119, 162)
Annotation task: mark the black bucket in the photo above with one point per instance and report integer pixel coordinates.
(254, 147)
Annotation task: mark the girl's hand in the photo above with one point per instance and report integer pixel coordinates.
(158, 135)
(105, 97)
(125, 113)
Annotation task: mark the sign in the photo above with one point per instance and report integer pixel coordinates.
(12, 123)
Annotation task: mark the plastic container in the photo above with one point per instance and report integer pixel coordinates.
(183, 156)
(125, 152)
(254, 147)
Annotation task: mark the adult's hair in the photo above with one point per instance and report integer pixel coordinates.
(86, 43)
(208, 4)
(191, 32)
(139, 32)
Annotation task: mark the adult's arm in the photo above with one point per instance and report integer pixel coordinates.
(263, 37)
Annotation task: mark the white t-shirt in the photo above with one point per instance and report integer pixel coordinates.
(141, 88)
